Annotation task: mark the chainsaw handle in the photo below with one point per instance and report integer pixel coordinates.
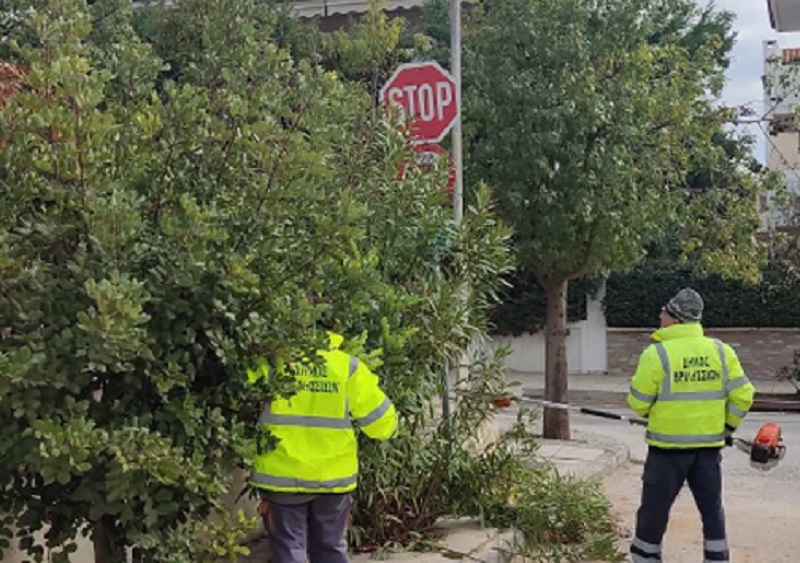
(743, 445)
(613, 416)
(601, 414)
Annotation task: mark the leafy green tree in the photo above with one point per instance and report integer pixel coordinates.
(586, 116)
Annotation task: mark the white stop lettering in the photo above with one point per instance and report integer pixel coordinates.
(427, 106)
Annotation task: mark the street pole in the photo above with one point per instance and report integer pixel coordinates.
(462, 368)
(455, 64)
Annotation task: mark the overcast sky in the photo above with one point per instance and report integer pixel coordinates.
(744, 75)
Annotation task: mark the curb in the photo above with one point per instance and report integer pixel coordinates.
(583, 396)
(615, 454)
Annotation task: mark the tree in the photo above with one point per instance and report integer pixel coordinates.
(586, 117)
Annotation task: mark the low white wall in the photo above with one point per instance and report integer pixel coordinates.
(586, 344)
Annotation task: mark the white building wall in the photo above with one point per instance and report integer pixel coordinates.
(781, 97)
(586, 345)
(781, 102)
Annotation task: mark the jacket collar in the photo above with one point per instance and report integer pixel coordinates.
(682, 330)
(334, 340)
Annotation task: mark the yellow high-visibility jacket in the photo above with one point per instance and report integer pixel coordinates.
(690, 388)
(316, 450)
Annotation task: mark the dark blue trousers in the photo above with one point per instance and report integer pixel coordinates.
(308, 527)
(665, 473)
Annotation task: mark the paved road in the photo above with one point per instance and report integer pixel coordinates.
(762, 509)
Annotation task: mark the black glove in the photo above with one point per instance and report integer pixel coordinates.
(729, 430)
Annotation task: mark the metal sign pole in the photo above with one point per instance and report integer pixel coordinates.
(455, 69)
(462, 367)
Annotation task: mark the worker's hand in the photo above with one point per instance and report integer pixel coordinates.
(729, 435)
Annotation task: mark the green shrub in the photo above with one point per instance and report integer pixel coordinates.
(166, 224)
(556, 517)
(634, 299)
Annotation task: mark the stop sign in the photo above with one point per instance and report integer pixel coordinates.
(423, 94)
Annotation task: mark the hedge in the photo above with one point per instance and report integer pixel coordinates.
(523, 304)
(635, 299)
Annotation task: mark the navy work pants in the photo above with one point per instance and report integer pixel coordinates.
(665, 472)
(316, 528)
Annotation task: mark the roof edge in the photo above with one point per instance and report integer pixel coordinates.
(771, 11)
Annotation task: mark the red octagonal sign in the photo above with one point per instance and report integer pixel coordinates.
(424, 95)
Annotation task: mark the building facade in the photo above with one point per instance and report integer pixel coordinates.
(781, 81)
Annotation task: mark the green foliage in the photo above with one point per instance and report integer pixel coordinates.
(201, 542)
(368, 51)
(523, 302)
(634, 299)
(587, 118)
(557, 518)
(404, 485)
(370, 46)
(178, 197)
(588, 138)
(436, 22)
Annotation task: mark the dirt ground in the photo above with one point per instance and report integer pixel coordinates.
(762, 514)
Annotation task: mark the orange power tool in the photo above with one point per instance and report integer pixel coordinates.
(767, 449)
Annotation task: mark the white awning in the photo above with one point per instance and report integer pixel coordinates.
(321, 8)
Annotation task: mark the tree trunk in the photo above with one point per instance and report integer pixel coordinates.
(106, 548)
(556, 422)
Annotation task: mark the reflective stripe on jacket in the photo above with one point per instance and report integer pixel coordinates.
(690, 387)
(316, 450)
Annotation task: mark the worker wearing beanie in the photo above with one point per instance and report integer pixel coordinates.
(695, 394)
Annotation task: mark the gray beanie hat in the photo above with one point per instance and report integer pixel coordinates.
(686, 306)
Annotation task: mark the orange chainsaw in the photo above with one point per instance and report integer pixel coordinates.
(765, 451)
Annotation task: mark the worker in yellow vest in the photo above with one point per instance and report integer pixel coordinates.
(694, 393)
(306, 480)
